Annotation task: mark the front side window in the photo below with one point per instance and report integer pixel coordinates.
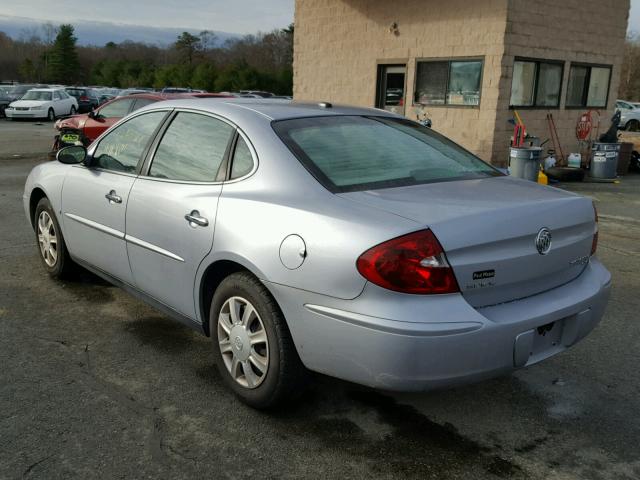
(192, 148)
(588, 86)
(353, 153)
(120, 150)
(449, 82)
(117, 108)
(536, 84)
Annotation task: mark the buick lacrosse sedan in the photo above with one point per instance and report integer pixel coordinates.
(345, 241)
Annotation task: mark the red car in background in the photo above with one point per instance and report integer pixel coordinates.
(86, 128)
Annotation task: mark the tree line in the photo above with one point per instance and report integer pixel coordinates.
(252, 62)
(630, 72)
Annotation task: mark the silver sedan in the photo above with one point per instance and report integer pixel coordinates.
(345, 241)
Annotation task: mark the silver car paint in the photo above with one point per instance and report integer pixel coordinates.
(342, 325)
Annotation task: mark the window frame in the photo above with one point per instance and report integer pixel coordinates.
(449, 60)
(224, 170)
(537, 62)
(587, 84)
(145, 151)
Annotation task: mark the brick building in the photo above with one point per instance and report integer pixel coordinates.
(468, 64)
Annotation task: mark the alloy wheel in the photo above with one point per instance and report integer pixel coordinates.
(243, 342)
(51, 116)
(47, 239)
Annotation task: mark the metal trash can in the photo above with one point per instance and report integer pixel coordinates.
(604, 162)
(525, 163)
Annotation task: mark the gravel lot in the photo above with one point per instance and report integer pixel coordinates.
(95, 384)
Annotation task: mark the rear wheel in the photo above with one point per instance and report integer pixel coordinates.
(253, 349)
(51, 115)
(633, 125)
(51, 244)
(73, 110)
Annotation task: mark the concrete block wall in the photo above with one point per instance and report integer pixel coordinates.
(339, 43)
(583, 31)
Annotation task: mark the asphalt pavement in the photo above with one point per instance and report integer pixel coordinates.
(95, 384)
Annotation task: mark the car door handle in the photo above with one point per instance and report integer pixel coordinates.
(113, 198)
(195, 219)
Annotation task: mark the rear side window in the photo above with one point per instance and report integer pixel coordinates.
(242, 160)
(192, 148)
(117, 108)
(142, 102)
(121, 149)
(352, 153)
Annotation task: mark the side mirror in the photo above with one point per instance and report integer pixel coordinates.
(72, 155)
(92, 114)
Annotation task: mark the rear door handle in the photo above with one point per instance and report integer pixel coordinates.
(113, 197)
(195, 219)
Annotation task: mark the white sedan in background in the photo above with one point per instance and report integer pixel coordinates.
(46, 103)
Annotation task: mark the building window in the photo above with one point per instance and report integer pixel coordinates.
(536, 83)
(588, 86)
(448, 82)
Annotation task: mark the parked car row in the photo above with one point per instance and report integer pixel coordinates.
(87, 98)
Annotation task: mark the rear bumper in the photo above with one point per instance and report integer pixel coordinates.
(410, 343)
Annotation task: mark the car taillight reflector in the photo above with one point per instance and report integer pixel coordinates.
(594, 242)
(84, 99)
(414, 263)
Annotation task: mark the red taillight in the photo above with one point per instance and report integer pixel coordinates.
(84, 99)
(413, 263)
(594, 242)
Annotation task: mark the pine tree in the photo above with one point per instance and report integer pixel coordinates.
(64, 66)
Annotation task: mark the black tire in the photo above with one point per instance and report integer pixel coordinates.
(285, 376)
(635, 161)
(73, 110)
(63, 267)
(633, 125)
(51, 115)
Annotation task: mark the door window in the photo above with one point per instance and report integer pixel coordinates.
(121, 149)
(117, 108)
(192, 148)
(56, 95)
(242, 160)
(142, 102)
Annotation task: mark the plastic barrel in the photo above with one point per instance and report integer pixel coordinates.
(604, 163)
(525, 163)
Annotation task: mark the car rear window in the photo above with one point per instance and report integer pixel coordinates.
(353, 153)
(76, 92)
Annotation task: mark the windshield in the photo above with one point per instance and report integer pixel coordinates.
(37, 95)
(353, 153)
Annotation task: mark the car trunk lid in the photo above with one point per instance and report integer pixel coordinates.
(488, 229)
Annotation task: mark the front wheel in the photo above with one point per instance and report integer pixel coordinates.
(51, 244)
(253, 348)
(51, 115)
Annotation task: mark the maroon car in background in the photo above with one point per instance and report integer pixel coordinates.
(86, 128)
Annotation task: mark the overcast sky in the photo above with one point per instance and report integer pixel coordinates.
(237, 16)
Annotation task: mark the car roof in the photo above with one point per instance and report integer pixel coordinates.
(268, 108)
(45, 89)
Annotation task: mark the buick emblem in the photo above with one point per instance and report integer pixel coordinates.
(543, 241)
